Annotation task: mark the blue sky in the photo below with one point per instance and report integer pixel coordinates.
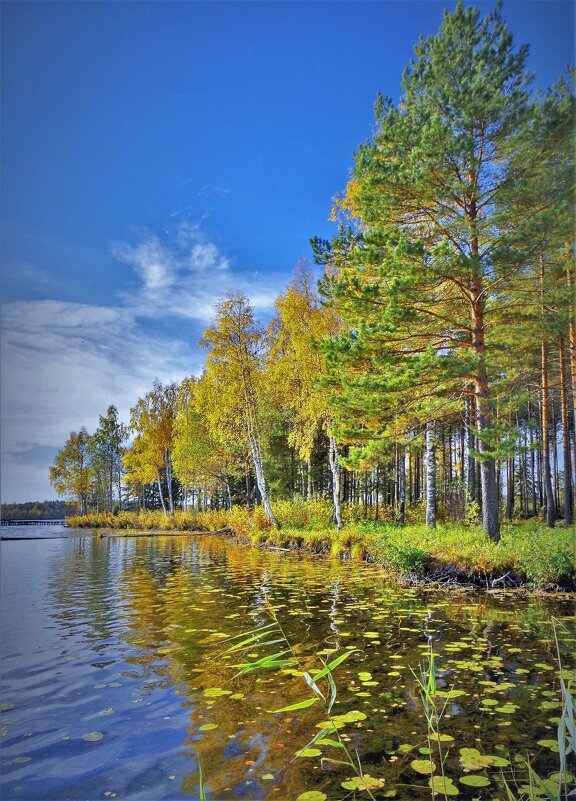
(158, 154)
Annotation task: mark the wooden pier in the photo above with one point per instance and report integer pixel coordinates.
(60, 522)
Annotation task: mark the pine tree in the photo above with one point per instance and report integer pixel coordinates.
(438, 237)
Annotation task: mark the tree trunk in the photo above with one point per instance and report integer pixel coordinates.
(401, 515)
(546, 470)
(161, 495)
(567, 461)
(260, 479)
(509, 488)
(335, 469)
(483, 419)
(532, 461)
(168, 460)
(572, 350)
(430, 461)
(471, 461)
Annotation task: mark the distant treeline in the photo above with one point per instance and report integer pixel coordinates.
(37, 510)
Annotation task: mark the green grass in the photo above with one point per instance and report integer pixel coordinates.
(528, 553)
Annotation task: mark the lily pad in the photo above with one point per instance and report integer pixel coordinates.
(441, 738)
(474, 781)
(424, 766)
(92, 736)
(472, 759)
(216, 692)
(441, 784)
(366, 782)
(551, 744)
(352, 717)
(312, 795)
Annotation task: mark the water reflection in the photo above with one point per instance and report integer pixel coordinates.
(136, 654)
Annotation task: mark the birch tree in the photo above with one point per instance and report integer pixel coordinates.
(234, 360)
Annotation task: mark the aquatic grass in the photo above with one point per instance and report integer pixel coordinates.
(201, 789)
(557, 787)
(270, 634)
(426, 681)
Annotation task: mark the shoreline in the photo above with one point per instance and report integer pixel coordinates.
(433, 572)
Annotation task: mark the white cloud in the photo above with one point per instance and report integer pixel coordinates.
(64, 363)
(152, 261)
(187, 275)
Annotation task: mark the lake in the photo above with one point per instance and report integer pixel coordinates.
(115, 681)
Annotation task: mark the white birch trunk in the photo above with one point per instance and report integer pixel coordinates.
(401, 484)
(430, 466)
(169, 479)
(260, 480)
(160, 491)
(335, 468)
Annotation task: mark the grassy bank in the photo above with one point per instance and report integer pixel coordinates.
(529, 553)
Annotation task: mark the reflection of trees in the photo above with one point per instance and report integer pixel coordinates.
(172, 600)
(83, 583)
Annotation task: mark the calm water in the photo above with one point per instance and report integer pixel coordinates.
(113, 683)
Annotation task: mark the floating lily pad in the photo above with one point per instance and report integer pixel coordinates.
(424, 766)
(312, 795)
(441, 784)
(351, 717)
(474, 781)
(472, 759)
(216, 692)
(92, 736)
(366, 782)
(441, 738)
(551, 744)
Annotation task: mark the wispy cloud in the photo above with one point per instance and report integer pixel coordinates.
(185, 274)
(63, 363)
(214, 190)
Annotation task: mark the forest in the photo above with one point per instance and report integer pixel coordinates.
(430, 374)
